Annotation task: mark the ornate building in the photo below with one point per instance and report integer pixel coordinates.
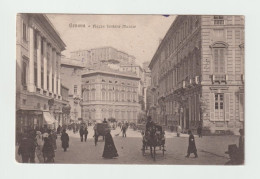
(109, 93)
(198, 74)
(38, 81)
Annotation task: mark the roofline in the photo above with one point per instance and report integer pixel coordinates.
(110, 73)
(163, 40)
(53, 32)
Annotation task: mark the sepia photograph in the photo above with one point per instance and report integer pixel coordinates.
(130, 89)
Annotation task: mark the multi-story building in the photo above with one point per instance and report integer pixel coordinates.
(109, 93)
(146, 85)
(102, 55)
(71, 78)
(198, 74)
(38, 81)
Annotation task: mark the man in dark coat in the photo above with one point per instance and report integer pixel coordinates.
(86, 133)
(65, 140)
(26, 148)
(192, 146)
(124, 127)
(109, 148)
(105, 121)
(81, 133)
(199, 130)
(48, 151)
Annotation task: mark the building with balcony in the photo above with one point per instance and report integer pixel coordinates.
(109, 93)
(197, 74)
(38, 81)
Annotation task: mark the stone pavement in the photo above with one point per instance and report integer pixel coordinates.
(211, 150)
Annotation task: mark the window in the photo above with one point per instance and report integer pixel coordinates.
(35, 40)
(24, 32)
(42, 80)
(75, 89)
(24, 69)
(219, 63)
(35, 74)
(218, 20)
(219, 101)
(42, 46)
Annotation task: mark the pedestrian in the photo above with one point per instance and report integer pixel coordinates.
(86, 133)
(192, 146)
(241, 146)
(58, 129)
(33, 140)
(233, 155)
(81, 133)
(178, 130)
(48, 151)
(52, 138)
(105, 121)
(26, 148)
(124, 127)
(109, 148)
(199, 130)
(65, 140)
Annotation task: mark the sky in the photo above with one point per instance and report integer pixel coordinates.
(141, 40)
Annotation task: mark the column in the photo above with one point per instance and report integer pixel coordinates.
(31, 86)
(45, 65)
(39, 57)
(54, 70)
(50, 69)
(59, 85)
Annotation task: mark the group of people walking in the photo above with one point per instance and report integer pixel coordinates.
(30, 140)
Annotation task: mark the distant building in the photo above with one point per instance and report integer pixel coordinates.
(109, 93)
(38, 82)
(146, 85)
(198, 74)
(71, 78)
(100, 55)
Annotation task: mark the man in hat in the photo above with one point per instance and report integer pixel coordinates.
(192, 146)
(233, 155)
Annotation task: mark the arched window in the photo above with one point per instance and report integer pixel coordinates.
(218, 54)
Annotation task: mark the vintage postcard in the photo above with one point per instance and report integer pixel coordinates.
(130, 89)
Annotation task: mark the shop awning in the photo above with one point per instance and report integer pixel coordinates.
(49, 119)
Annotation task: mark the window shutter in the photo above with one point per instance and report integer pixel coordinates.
(241, 106)
(227, 111)
(212, 106)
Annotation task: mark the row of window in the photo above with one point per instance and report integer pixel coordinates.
(110, 96)
(108, 114)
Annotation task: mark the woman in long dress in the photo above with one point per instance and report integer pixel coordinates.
(109, 148)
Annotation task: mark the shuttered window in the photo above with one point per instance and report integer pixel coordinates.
(219, 60)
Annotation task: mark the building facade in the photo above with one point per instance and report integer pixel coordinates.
(71, 78)
(198, 74)
(109, 94)
(38, 82)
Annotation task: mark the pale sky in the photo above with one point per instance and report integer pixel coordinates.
(141, 41)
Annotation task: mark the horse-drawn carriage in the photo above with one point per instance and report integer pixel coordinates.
(100, 130)
(153, 137)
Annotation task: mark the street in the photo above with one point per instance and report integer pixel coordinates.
(211, 150)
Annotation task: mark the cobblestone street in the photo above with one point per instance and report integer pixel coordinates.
(211, 150)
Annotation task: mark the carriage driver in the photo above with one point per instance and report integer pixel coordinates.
(149, 123)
